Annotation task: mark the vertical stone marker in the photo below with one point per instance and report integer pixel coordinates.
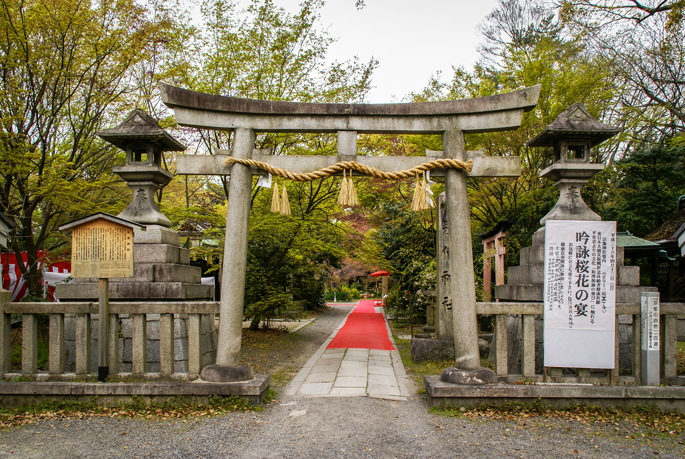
(649, 314)
(444, 327)
(102, 247)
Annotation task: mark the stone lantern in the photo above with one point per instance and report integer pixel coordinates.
(571, 137)
(144, 142)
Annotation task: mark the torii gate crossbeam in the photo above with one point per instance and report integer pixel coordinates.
(451, 119)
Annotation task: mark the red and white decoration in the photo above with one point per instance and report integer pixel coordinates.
(13, 281)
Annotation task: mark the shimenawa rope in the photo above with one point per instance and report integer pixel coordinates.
(354, 166)
(348, 194)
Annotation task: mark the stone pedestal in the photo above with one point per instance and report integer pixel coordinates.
(144, 180)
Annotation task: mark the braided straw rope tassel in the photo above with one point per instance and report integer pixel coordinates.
(352, 198)
(416, 200)
(342, 197)
(285, 204)
(275, 200)
(429, 203)
(421, 196)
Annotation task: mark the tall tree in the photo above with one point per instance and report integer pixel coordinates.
(65, 68)
(524, 46)
(264, 52)
(643, 43)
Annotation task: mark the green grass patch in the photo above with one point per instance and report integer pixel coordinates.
(417, 370)
(180, 408)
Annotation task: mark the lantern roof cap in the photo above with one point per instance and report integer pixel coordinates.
(139, 126)
(575, 121)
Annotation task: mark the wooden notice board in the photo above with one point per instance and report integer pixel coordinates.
(102, 249)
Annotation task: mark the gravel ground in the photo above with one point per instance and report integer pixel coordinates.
(331, 427)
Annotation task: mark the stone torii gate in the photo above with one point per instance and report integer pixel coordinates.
(451, 119)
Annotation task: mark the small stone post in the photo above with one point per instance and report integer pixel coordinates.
(5, 330)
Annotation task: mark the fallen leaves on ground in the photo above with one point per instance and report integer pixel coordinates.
(185, 409)
(652, 419)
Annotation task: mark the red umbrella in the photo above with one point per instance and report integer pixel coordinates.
(380, 273)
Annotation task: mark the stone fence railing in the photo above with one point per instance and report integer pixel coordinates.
(529, 341)
(181, 333)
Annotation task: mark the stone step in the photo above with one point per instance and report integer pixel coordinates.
(628, 275)
(160, 253)
(532, 255)
(533, 274)
(163, 272)
(535, 254)
(533, 293)
(519, 292)
(177, 273)
(526, 274)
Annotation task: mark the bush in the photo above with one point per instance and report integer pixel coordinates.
(268, 308)
(344, 293)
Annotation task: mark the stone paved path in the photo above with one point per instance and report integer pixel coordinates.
(352, 372)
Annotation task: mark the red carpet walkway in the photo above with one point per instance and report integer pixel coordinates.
(364, 329)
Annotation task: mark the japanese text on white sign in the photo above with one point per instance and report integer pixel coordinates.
(580, 294)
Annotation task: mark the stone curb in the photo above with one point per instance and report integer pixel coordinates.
(664, 398)
(13, 393)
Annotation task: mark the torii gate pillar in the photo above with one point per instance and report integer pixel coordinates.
(457, 280)
(228, 366)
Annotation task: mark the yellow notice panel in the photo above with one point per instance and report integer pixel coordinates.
(102, 249)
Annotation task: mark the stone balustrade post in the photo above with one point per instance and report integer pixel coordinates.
(5, 332)
(139, 344)
(83, 332)
(56, 349)
(669, 343)
(500, 338)
(166, 344)
(114, 330)
(29, 344)
(195, 344)
(528, 351)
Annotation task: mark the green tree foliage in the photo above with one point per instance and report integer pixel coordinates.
(407, 242)
(293, 254)
(642, 42)
(646, 188)
(266, 53)
(65, 69)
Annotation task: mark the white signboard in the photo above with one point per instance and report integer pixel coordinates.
(580, 294)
